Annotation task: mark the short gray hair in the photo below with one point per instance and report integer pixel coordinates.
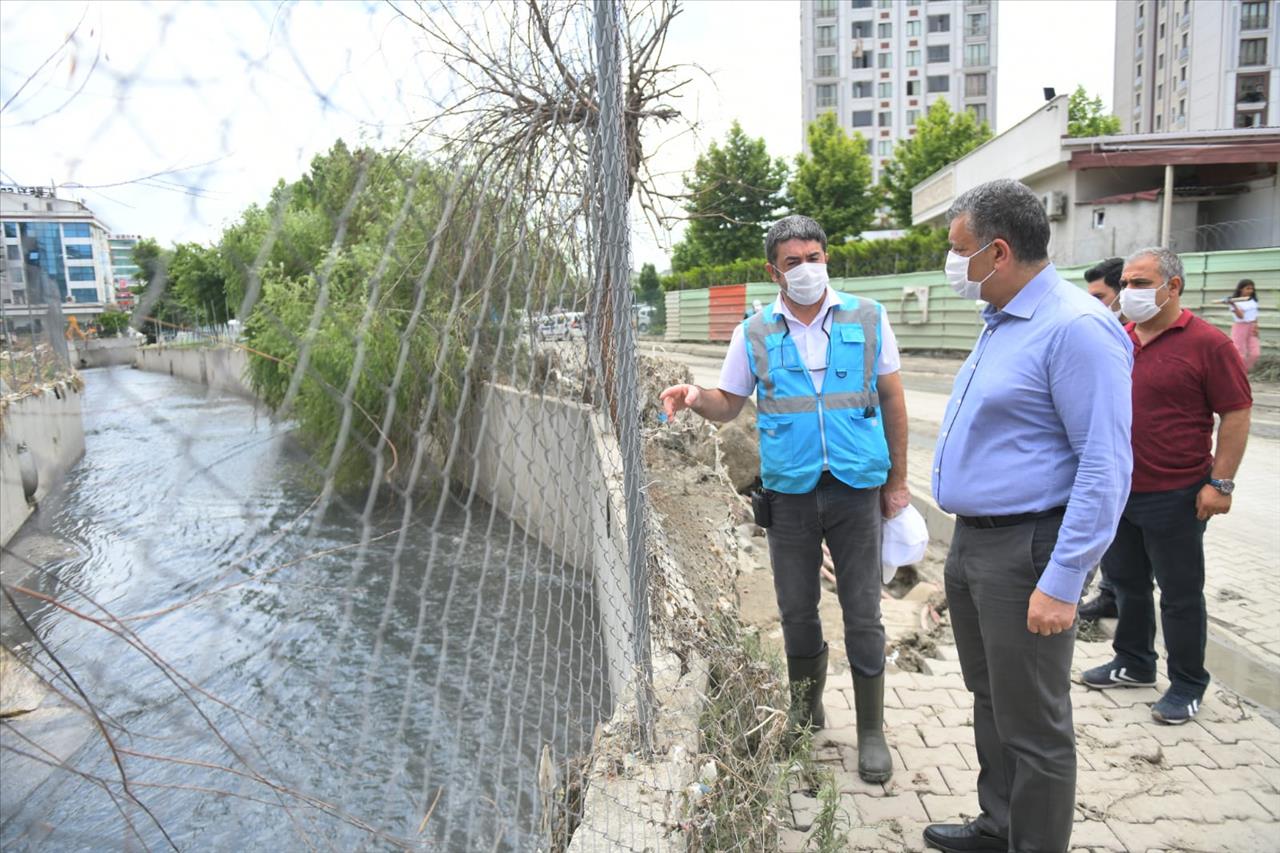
(1166, 259)
(794, 227)
(1009, 210)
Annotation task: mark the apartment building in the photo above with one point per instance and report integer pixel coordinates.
(1196, 65)
(879, 64)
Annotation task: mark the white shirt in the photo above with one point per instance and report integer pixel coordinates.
(811, 342)
(1249, 308)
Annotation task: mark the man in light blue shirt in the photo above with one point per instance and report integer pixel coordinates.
(1034, 459)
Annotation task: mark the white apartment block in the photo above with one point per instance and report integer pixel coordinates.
(879, 64)
(1195, 65)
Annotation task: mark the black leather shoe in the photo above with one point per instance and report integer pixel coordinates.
(1101, 606)
(962, 838)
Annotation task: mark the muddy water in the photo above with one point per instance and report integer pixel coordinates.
(265, 686)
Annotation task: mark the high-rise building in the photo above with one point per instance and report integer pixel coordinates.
(54, 248)
(879, 65)
(124, 270)
(1195, 65)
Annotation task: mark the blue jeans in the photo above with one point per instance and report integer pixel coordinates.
(849, 520)
(1160, 538)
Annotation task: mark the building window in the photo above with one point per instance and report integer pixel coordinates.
(1160, 62)
(976, 24)
(913, 27)
(913, 116)
(826, 66)
(861, 4)
(863, 58)
(1160, 33)
(79, 251)
(824, 8)
(1255, 15)
(76, 229)
(1137, 126)
(885, 90)
(862, 88)
(826, 95)
(862, 29)
(1253, 51)
(84, 294)
(10, 229)
(939, 52)
(913, 88)
(976, 54)
(939, 83)
(885, 60)
(81, 273)
(1137, 100)
(886, 4)
(1182, 107)
(826, 36)
(861, 118)
(13, 253)
(939, 23)
(1160, 92)
(1139, 41)
(979, 112)
(975, 85)
(886, 147)
(18, 278)
(1100, 218)
(1159, 122)
(884, 30)
(1251, 89)
(913, 58)
(871, 145)
(1249, 119)
(886, 119)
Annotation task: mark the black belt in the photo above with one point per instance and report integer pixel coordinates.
(989, 521)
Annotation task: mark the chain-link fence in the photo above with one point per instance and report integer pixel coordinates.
(413, 583)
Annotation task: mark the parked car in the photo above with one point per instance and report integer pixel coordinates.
(562, 327)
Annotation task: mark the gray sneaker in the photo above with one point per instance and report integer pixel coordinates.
(1174, 709)
(1113, 674)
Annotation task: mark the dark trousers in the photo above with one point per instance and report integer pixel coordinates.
(1160, 537)
(1020, 681)
(849, 520)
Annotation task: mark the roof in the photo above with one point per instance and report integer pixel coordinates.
(1247, 145)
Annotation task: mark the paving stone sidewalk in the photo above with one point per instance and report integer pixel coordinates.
(1210, 785)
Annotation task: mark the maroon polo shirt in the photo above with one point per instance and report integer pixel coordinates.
(1180, 379)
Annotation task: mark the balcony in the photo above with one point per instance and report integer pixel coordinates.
(1183, 54)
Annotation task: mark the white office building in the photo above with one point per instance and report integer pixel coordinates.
(1196, 65)
(879, 64)
(54, 248)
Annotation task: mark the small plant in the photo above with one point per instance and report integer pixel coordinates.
(112, 323)
(830, 828)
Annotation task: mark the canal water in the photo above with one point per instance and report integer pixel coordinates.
(269, 684)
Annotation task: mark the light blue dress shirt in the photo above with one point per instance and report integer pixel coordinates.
(1039, 418)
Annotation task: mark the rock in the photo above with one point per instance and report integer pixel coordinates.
(740, 454)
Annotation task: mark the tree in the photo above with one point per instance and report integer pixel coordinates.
(941, 137)
(649, 287)
(833, 184)
(157, 306)
(197, 281)
(1087, 117)
(733, 192)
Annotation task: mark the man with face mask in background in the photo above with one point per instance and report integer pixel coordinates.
(1103, 283)
(832, 422)
(1184, 372)
(1033, 458)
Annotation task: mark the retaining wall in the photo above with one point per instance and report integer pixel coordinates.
(49, 424)
(221, 368)
(103, 352)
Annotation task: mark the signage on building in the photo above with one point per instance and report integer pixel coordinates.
(37, 192)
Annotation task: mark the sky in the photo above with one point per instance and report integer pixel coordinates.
(172, 118)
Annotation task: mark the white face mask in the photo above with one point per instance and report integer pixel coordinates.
(957, 272)
(806, 283)
(1139, 303)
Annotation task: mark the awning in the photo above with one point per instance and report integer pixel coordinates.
(1186, 155)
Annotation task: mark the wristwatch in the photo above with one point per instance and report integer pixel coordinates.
(1225, 487)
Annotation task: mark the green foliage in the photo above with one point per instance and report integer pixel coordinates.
(164, 312)
(1088, 117)
(733, 192)
(150, 260)
(912, 252)
(941, 137)
(112, 323)
(649, 292)
(197, 282)
(833, 184)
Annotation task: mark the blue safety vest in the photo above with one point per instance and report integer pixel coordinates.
(801, 431)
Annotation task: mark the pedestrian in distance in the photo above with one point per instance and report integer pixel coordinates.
(832, 423)
(1103, 283)
(1244, 325)
(1033, 459)
(1184, 372)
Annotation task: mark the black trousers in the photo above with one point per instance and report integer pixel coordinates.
(849, 519)
(1020, 681)
(1160, 538)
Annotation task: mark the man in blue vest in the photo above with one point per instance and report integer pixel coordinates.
(832, 422)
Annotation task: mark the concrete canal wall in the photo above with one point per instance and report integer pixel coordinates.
(42, 431)
(220, 368)
(103, 352)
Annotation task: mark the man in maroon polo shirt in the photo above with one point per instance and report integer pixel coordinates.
(1184, 371)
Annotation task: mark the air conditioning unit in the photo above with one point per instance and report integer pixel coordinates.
(1054, 204)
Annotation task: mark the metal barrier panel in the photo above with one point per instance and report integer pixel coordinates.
(726, 305)
(672, 332)
(695, 315)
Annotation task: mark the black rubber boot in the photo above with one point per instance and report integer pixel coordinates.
(808, 677)
(1101, 606)
(874, 762)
